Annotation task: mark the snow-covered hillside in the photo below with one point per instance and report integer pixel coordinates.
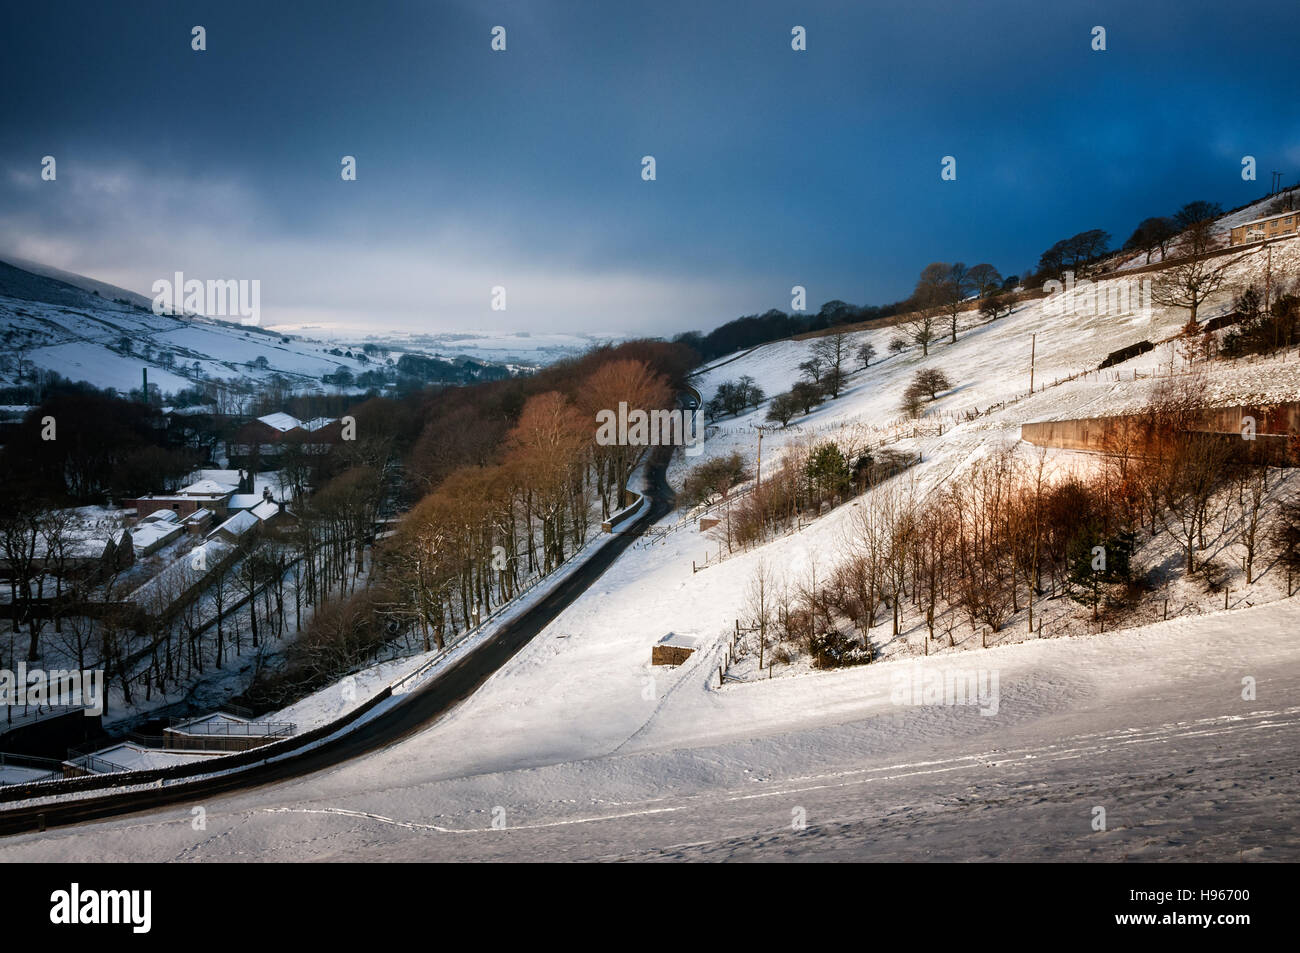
(59, 327)
(86, 330)
(989, 366)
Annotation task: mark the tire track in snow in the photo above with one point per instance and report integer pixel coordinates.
(1076, 748)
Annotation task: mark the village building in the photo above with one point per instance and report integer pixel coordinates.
(267, 436)
(204, 494)
(156, 531)
(237, 527)
(199, 522)
(1280, 225)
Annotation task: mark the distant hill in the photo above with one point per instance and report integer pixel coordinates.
(88, 330)
(105, 290)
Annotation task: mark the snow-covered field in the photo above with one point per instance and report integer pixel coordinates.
(1148, 725)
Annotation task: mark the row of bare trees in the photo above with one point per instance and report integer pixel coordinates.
(470, 544)
(989, 545)
(499, 505)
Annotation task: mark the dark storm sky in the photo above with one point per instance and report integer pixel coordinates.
(523, 169)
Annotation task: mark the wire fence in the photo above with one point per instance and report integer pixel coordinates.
(85, 759)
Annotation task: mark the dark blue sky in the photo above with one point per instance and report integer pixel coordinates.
(522, 168)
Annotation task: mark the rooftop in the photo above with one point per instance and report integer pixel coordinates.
(238, 525)
(1266, 218)
(160, 516)
(134, 757)
(207, 488)
(281, 421)
(265, 509)
(155, 531)
(680, 640)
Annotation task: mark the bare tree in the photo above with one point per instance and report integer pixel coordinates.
(930, 298)
(920, 328)
(1194, 472)
(812, 369)
(833, 351)
(1152, 233)
(762, 593)
(1196, 277)
(1252, 493)
(985, 279)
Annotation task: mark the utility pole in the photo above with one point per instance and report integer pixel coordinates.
(1268, 277)
(1033, 349)
(758, 482)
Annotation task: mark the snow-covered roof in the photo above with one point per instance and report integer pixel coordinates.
(209, 723)
(281, 421)
(245, 501)
(135, 757)
(1266, 218)
(237, 525)
(160, 516)
(317, 423)
(265, 510)
(231, 478)
(680, 640)
(155, 532)
(207, 488)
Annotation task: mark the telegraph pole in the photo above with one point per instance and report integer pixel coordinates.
(1033, 348)
(1268, 277)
